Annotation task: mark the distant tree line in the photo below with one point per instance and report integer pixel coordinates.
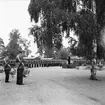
(16, 44)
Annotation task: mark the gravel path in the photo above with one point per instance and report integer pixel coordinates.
(54, 86)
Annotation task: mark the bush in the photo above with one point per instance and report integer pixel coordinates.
(63, 54)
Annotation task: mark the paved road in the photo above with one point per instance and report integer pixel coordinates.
(54, 86)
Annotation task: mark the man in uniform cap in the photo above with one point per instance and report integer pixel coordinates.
(69, 59)
(20, 69)
(7, 68)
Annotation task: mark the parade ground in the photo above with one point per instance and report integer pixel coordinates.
(54, 86)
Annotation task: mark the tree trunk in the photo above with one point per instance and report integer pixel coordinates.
(48, 52)
(49, 36)
(93, 70)
(93, 73)
(94, 54)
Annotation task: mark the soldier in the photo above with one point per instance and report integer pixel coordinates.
(69, 60)
(20, 69)
(7, 68)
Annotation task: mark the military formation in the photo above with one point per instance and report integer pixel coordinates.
(21, 64)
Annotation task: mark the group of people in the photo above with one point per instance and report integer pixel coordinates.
(20, 69)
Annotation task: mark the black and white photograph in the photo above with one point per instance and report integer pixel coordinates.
(52, 52)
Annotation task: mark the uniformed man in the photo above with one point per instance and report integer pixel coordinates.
(20, 69)
(69, 60)
(7, 68)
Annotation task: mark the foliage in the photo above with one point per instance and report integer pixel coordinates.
(63, 53)
(61, 15)
(57, 42)
(99, 22)
(16, 44)
(13, 46)
(53, 17)
(1, 43)
(41, 40)
(2, 46)
(86, 30)
(24, 44)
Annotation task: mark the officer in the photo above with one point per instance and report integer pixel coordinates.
(7, 69)
(20, 69)
(69, 60)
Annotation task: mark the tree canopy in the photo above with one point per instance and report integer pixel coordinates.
(2, 46)
(59, 16)
(16, 44)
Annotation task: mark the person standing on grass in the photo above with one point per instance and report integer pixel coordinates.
(7, 69)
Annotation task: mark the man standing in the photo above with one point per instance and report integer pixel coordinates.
(7, 68)
(69, 60)
(20, 69)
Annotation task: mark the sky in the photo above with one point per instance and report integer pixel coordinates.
(14, 15)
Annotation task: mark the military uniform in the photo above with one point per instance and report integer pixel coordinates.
(7, 69)
(69, 60)
(20, 70)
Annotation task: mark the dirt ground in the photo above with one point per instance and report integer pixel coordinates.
(54, 86)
